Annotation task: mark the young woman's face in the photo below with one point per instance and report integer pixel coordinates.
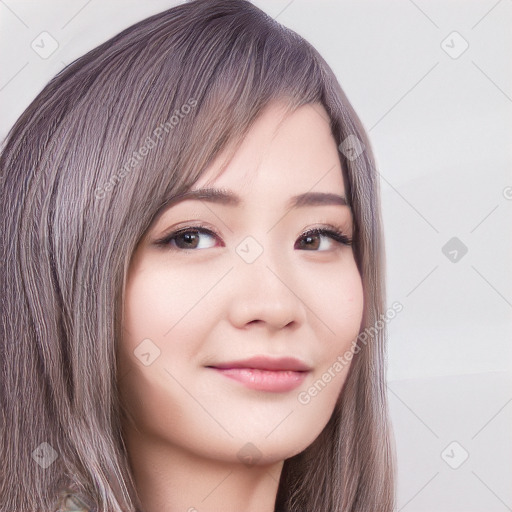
(243, 279)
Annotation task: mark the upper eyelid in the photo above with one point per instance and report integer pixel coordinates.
(345, 216)
(201, 226)
(344, 224)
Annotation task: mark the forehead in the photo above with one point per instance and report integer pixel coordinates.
(283, 154)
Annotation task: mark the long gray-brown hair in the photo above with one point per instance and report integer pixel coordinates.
(84, 170)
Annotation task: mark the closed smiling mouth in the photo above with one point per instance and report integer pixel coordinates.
(264, 373)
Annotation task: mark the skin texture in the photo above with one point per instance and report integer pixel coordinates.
(192, 425)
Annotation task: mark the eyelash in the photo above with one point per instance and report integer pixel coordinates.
(333, 232)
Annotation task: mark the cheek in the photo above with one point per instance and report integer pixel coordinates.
(166, 314)
(152, 309)
(158, 302)
(341, 304)
(159, 321)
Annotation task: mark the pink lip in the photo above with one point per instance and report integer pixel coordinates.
(266, 374)
(265, 380)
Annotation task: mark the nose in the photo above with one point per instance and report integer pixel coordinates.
(265, 293)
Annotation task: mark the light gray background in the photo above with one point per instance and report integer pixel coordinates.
(440, 126)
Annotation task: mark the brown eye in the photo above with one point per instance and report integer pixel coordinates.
(312, 239)
(188, 238)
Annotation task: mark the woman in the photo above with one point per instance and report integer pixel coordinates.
(192, 251)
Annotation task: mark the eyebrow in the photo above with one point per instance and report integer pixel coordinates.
(228, 198)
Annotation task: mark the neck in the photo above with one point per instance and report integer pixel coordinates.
(174, 479)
